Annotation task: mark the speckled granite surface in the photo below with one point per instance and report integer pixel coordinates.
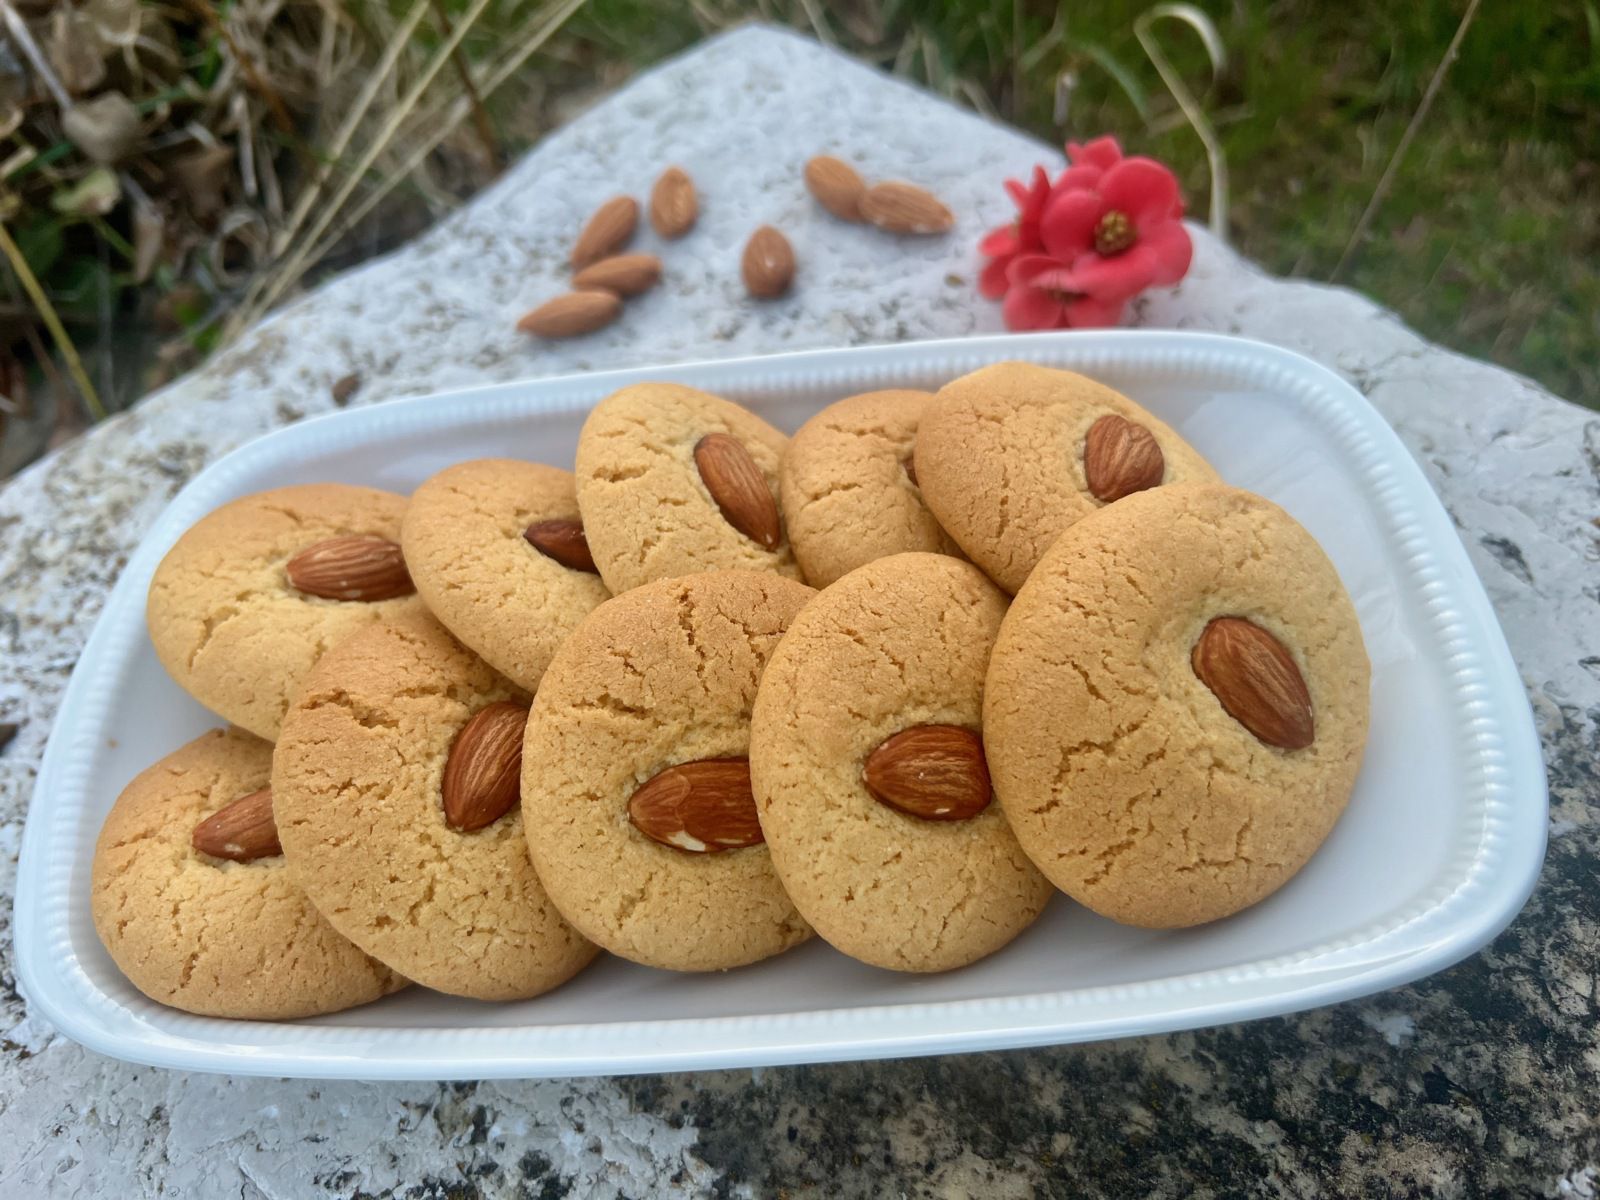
(1484, 1080)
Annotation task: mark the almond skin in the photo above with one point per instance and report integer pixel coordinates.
(739, 488)
(624, 274)
(935, 772)
(1256, 681)
(573, 314)
(768, 264)
(563, 540)
(1121, 457)
(836, 185)
(699, 807)
(607, 232)
(905, 208)
(242, 832)
(674, 206)
(357, 567)
(483, 774)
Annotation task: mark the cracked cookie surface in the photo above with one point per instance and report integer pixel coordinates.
(464, 545)
(227, 624)
(221, 939)
(1000, 460)
(1123, 776)
(849, 494)
(356, 780)
(662, 675)
(901, 642)
(646, 510)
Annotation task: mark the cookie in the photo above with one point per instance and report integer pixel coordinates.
(229, 625)
(868, 771)
(211, 936)
(674, 481)
(499, 557)
(635, 789)
(359, 781)
(1011, 455)
(849, 486)
(1176, 705)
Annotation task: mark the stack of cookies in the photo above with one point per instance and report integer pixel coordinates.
(893, 681)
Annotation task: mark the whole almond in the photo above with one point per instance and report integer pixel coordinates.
(573, 314)
(1121, 457)
(483, 774)
(836, 185)
(905, 208)
(768, 264)
(563, 540)
(607, 232)
(701, 807)
(1256, 681)
(674, 207)
(739, 488)
(242, 832)
(936, 772)
(624, 274)
(356, 567)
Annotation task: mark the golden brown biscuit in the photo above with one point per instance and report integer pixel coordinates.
(1001, 460)
(660, 676)
(849, 487)
(647, 508)
(218, 938)
(899, 644)
(467, 542)
(357, 784)
(1128, 779)
(226, 622)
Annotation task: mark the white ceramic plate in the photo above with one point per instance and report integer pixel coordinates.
(1437, 851)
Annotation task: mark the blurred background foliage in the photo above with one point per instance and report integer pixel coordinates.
(169, 169)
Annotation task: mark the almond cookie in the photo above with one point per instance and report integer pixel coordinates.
(1011, 455)
(227, 618)
(395, 783)
(1176, 706)
(221, 937)
(849, 486)
(869, 772)
(673, 481)
(499, 556)
(635, 774)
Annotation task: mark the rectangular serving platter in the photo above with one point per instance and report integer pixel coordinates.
(1438, 850)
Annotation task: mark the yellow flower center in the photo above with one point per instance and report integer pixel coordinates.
(1114, 234)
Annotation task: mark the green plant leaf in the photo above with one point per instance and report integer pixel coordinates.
(40, 243)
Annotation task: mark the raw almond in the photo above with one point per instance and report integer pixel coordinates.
(607, 232)
(674, 207)
(739, 488)
(701, 807)
(768, 264)
(624, 274)
(936, 772)
(563, 540)
(242, 832)
(1121, 457)
(836, 186)
(1257, 682)
(358, 567)
(905, 208)
(573, 314)
(483, 774)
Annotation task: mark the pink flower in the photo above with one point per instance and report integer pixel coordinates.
(1020, 237)
(1044, 295)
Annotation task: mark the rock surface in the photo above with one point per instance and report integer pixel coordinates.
(1482, 1080)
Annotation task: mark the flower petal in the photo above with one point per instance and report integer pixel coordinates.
(1115, 278)
(1029, 308)
(1078, 178)
(1002, 240)
(1025, 268)
(1067, 226)
(1171, 250)
(1142, 188)
(992, 281)
(1087, 312)
(1038, 193)
(1104, 152)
